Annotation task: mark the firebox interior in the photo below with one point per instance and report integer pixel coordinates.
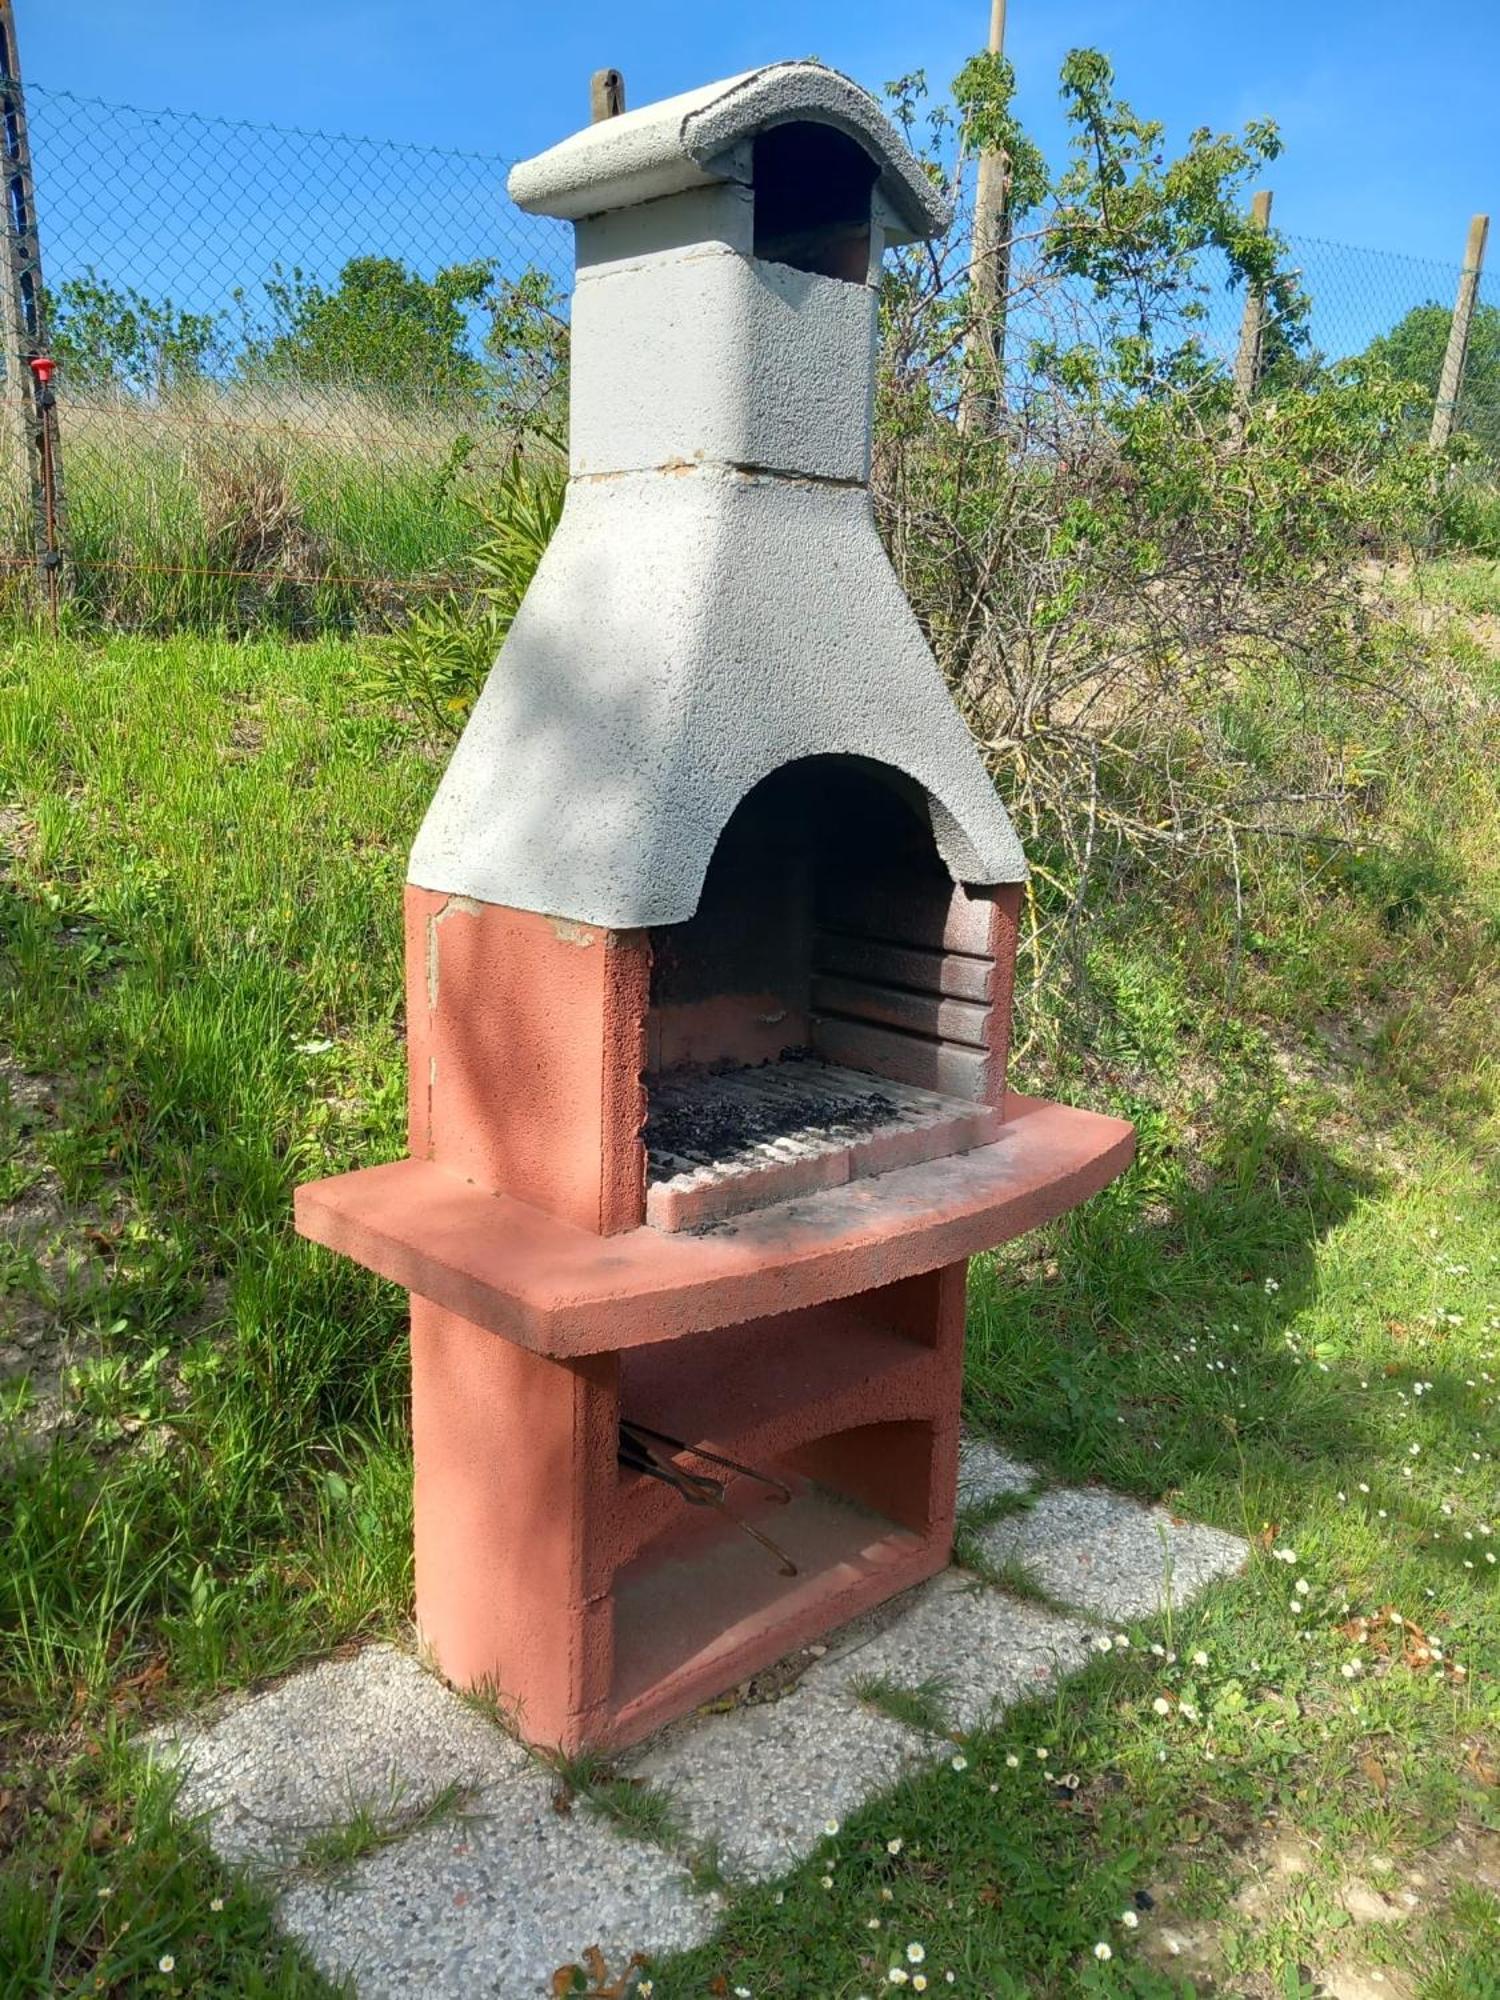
(811, 849)
(812, 200)
(826, 1011)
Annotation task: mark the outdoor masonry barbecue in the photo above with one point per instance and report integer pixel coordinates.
(710, 934)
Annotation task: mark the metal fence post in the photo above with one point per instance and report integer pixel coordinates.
(23, 307)
(1451, 381)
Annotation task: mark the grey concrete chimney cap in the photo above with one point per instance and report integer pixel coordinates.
(689, 142)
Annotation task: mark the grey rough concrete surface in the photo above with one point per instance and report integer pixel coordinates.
(989, 1651)
(491, 1901)
(732, 362)
(375, 1731)
(684, 636)
(699, 137)
(985, 1472)
(759, 1783)
(716, 602)
(495, 1902)
(1111, 1556)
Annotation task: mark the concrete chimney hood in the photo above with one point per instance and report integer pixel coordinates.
(716, 603)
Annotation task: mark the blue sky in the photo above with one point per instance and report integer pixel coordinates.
(1391, 113)
(1391, 117)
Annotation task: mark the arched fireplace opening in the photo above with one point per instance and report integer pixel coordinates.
(813, 187)
(835, 1005)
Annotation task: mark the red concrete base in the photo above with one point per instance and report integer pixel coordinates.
(821, 1340)
(688, 1626)
(592, 1602)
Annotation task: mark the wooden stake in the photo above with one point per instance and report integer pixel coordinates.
(1451, 381)
(1253, 324)
(606, 94)
(989, 273)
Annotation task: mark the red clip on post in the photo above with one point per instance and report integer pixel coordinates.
(43, 367)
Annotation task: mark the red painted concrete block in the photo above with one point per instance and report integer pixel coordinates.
(514, 1471)
(525, 1051)
(586, 1601)
(559, 1289)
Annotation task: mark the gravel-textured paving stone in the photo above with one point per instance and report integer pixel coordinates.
(985, 1472)
(492, 1899)
(989, 1651)
(1111, 1556)
(759, 1782)
(374, 1732)
(491, 1904)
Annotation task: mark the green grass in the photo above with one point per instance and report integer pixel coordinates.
(1470, 516)
(923, 1706)
(237, 512)
(635, 1806)
(198, 939)
(334, 1848)
(201, 920)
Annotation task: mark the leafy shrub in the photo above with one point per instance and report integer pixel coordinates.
(435, 665)
(1469, 517)
(1149, 593)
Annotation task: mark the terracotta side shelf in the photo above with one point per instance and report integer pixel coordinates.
(561, 1290)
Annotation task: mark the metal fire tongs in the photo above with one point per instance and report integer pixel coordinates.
(651, 1452)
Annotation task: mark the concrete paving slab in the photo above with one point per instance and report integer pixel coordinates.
(759, 1783)
(989, 1651)
(375, 1732)
(494, 1902)
(1111, 1556)
(493, 1898)
(985, 1472)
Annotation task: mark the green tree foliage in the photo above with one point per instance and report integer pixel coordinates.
(1116, 555)
(108, 337)
(382, 327)
(1138, 228)
(527, 347)
(1413, 351)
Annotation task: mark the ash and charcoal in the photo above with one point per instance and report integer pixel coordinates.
(704, 1116)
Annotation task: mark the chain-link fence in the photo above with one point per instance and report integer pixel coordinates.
(288, 361)
(1402, 307)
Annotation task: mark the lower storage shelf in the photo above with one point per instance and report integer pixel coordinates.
(704, 1606)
